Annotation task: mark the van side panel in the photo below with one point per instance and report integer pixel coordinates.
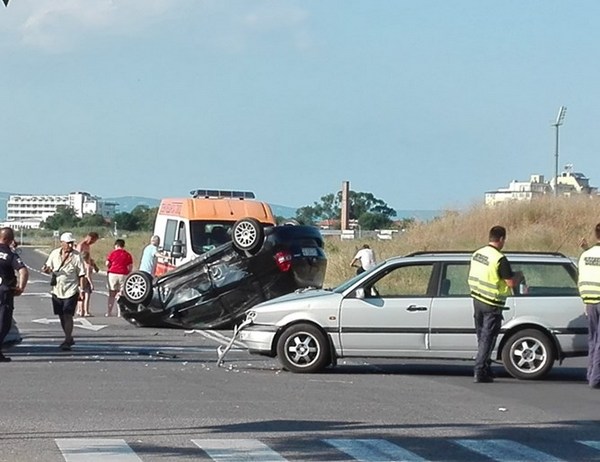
(217, 209)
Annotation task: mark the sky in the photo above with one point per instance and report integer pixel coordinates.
(425, 104)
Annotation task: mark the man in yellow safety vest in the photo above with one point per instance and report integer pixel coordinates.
(491, 279)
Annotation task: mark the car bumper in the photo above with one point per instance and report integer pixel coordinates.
(259, 340)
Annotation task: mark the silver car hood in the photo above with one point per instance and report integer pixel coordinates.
(299, 295)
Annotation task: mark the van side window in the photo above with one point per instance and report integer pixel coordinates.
(170, 234)
(181, 234)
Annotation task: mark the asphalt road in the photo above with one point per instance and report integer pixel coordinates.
(129, 394)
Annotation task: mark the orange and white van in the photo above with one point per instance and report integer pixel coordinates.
(189, 227)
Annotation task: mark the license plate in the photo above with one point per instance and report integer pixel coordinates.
(310, 252)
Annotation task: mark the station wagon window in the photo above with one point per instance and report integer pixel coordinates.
(547, 279)
(454, 282)
(403, 281)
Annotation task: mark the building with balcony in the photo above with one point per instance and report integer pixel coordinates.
(38, 207)
(566, 184)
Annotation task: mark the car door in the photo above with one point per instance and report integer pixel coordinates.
(388, 313)
(451, 322)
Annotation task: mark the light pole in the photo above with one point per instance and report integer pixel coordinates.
(559, 121)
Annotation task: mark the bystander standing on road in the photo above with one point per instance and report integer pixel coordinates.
(366, 259)
(119, 263)
(85, 246)
(10, 286)
(491, 279)
(150, 256)
(589, 289)
(67, 272)
(83, 308)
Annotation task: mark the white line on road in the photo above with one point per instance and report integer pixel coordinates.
(591, 444)
(372, 450)
(96, 450)
(507, 451)
(238, 450)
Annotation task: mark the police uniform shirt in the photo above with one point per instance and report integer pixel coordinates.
(10, 262)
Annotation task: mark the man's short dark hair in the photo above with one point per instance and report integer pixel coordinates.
(497, 233)
(94, 235)
(120, 243)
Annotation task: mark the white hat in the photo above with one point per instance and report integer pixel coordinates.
(67, 237)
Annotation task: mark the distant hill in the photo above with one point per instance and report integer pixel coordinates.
(128, 203)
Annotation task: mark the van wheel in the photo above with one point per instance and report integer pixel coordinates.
(138, 287)
(528, 354)
(248, 235)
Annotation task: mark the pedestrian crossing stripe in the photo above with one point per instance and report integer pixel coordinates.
(252, 450)
(506, 451)
(96, 450)
(238, 450)
(373, 449)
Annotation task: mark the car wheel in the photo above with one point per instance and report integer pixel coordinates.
(528, 354)
(247, 234)
(303, 348)
(138, 287)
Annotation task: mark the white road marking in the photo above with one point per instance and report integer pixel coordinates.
(371, 450)
(96, 450)
(506, 451)
(238, 450)
(591, 444)
(77, 322)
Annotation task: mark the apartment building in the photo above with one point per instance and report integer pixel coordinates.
(29, 209)
(566, 184)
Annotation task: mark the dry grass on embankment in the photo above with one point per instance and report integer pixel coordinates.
(548, 224)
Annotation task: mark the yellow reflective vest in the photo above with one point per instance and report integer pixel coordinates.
(589, 275)
(484, 281)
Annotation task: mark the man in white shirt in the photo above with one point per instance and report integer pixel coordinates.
(366, 257)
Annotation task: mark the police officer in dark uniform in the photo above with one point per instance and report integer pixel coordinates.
(10, 265)
(490, 279)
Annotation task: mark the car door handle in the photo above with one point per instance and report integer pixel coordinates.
(416, 308)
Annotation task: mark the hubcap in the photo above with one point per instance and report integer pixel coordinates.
(136, 287)
(302, 349)
(245, 234)
(529, 355)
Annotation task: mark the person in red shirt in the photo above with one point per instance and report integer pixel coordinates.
(118, 265)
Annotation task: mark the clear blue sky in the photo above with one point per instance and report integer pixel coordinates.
(426, 104)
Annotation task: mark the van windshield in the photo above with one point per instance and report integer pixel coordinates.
(206, 235)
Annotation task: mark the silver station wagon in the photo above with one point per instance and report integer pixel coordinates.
(418, 306)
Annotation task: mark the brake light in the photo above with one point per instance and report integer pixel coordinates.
(284, 261)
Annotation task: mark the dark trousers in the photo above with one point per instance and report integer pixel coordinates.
(488, 321)
(6, 313)
(593, 371)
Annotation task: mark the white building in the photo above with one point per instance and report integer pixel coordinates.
(568, 183)
(38, 207)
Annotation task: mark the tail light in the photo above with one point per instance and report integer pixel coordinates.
(284, 261)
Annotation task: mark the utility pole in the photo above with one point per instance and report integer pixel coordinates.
(559, 121)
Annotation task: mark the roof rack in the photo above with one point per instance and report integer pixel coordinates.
(215, 193)
(509, 252)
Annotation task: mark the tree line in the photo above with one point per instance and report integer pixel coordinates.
(368, 211)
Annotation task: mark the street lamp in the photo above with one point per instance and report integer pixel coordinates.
(559, 121)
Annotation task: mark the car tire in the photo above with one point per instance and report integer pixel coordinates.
(528, 354)
(247, 235)
(137, 287)
(303, 348)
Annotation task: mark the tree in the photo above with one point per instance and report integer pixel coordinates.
(64, 217)
(126, 221)
(145, 217)
(93, 221)
(371, 212)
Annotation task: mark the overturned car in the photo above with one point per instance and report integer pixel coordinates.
(216, 288)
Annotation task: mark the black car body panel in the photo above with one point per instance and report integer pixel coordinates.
(215, 289)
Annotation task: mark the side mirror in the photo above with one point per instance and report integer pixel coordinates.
(360, 293)
(177, 250)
